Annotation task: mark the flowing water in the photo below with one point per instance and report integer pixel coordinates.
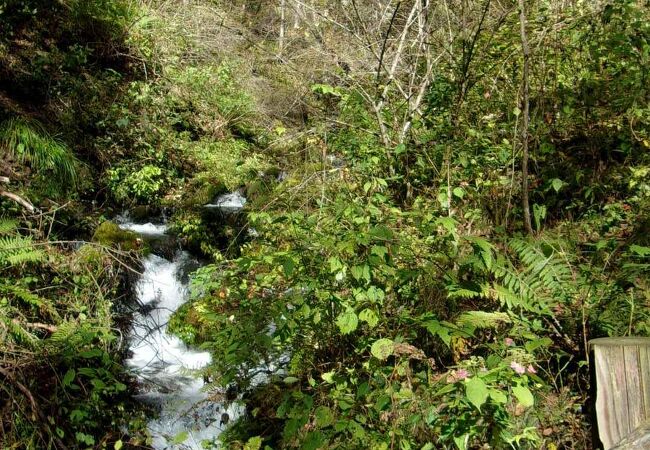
(165, 366)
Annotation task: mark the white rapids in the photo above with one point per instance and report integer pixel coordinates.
(165, 365)
(228, 203)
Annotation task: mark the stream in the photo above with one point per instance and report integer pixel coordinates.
(166, 368)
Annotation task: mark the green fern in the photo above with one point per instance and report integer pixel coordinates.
(543, 272)
(29, 142)
(7, 226)
(543, 278)
(19, 335)
(25, 296)
(16, 250)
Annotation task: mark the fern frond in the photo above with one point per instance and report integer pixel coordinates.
(29, 142)
(29, 298)
(7, 226)
(18, 334)
(65, 330)
(464, 292)
(15, 250)
(543, 272)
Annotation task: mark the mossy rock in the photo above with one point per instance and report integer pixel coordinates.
(110, 234)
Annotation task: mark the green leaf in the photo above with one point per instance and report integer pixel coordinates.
(531, 346)
(291, 380)
(85, 438)
(347, 321)
(93, 353)
(254, 443)
(539, 214)
(557, 184)
(498, 396)
(524, 396)
(369, 316)
(437, 329)
(69, 377)
(382, 349)
(382, 232)
(461, 441)
(477, 391)
(288, 266)
(459, 192)
(335, 264)
(448, 223)
(118, 445)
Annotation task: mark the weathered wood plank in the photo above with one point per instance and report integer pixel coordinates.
(622, 368)
(633, 375)
(639, 439)
(604, 405)
(644, 362)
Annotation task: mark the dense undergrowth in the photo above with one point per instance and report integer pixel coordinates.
(384, 261)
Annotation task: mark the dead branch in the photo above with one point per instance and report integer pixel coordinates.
(18, 199)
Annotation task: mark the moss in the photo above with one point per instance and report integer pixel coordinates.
(108, 233)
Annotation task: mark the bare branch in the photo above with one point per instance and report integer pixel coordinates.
(18, 199)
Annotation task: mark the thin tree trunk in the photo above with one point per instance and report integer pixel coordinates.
(525, 122)
(282, 27)
(378, 105)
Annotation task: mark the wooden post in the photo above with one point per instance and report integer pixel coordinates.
(622, 367)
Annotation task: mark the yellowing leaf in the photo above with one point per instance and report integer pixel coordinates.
(328, 377)
(347, 322)
(382, 349)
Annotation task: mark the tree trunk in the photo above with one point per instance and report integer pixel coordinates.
(525, 122)
(282, 27)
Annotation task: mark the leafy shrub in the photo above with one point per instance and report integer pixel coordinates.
(141, 186)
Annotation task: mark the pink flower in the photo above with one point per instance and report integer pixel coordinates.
(458, 375)
(517, 367)
(509, 342)
(531, 369)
